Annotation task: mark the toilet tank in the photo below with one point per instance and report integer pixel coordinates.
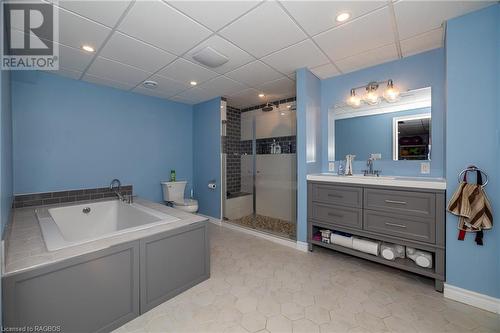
(173, 191)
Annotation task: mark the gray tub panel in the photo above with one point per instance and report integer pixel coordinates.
(96, 292)
(172, 262)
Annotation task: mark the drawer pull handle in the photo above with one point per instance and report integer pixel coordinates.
(395, 225)
(334, 215)
(335, 195)
(396, 202)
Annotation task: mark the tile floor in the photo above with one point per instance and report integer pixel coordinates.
(260, 286)
(271, 225)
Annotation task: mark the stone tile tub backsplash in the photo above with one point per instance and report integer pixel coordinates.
(48, 198)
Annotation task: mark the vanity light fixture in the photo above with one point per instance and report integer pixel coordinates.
(372, 94)
(342, 17)
(391, 94)
(354, 100)
(88, 48)
(193, 83)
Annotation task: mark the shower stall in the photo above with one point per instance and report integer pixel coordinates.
(260, 168)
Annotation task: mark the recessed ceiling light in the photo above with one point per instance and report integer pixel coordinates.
(262, 95)
(193, 83)
(150, 84)
(342, 17)
(88, 48)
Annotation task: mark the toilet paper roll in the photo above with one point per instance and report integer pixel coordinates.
(341, 240)
(212, 186)
(365, 245)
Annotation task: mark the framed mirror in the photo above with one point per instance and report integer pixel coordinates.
(396, 131)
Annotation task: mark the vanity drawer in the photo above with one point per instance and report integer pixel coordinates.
(402, 202)
(337, 215)
(403, 226)
(340, 195)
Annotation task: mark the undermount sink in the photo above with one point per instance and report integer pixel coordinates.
(401, 181)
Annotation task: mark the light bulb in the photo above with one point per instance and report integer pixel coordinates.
(391, 94)
(371, 97)
(354, 100)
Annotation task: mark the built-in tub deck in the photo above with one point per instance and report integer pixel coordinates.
(99, 285)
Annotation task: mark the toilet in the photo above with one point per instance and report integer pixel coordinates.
(174, 192)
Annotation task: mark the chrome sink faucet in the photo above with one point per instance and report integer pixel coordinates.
(115, 186)
(370, 171)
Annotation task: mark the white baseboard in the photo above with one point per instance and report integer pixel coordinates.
(473, 298)
(301, 246)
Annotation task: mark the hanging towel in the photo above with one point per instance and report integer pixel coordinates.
(471, 204)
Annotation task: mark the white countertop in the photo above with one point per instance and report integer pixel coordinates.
(25, 248)
(411, 182)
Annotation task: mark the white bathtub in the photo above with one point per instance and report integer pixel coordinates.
(73, 225)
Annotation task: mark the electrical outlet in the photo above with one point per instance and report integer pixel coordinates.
(377, 156)
(331, 166)
(425, 168)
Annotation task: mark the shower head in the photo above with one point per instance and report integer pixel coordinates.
(268, 107)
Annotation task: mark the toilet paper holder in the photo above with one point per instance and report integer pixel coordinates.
(212, 184)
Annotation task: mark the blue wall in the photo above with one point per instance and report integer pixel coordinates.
(472, 136)
(207, 156)
(363, 136)
(309, 148)
(6, 179)
(419, 71)
(71, 134)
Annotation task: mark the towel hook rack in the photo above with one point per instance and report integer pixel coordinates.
(474, 169)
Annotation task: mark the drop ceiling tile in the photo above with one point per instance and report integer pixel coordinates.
(75, 31)
(424, 42)
(237, 57)
(303, 54)
(222, 86)
(105, 12)
(107, 82)
(133, 52)
(163, 26)
(254, 73)
(416, 17)
(168, 86)
(69, 73)
(74, 59)
(245, 98)
(196, 95)
(209, 12)
(366, 33)
(264, 30)
(318, 16)
(185, 71)
(368, 59)
(283, 87)
(116, 71)
(181, 100)
(152, 92)
(325, 71)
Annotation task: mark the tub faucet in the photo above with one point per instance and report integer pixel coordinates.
(115, 186)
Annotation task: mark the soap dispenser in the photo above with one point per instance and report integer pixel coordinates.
(348, 164)
(277, 148)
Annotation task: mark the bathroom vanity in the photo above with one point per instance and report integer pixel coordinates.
(399, 210)
(101, 284)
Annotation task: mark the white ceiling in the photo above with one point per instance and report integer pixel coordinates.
(265, 41)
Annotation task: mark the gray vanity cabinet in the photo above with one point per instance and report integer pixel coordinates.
(408, 216)
(95, 292)
(102, 290)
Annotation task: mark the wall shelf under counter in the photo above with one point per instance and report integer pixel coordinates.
(401, 214)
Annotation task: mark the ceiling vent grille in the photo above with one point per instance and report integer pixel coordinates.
(210, 57)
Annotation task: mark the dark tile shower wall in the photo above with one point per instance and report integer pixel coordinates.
(288, 144)
(232, 150)
(48, 198)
